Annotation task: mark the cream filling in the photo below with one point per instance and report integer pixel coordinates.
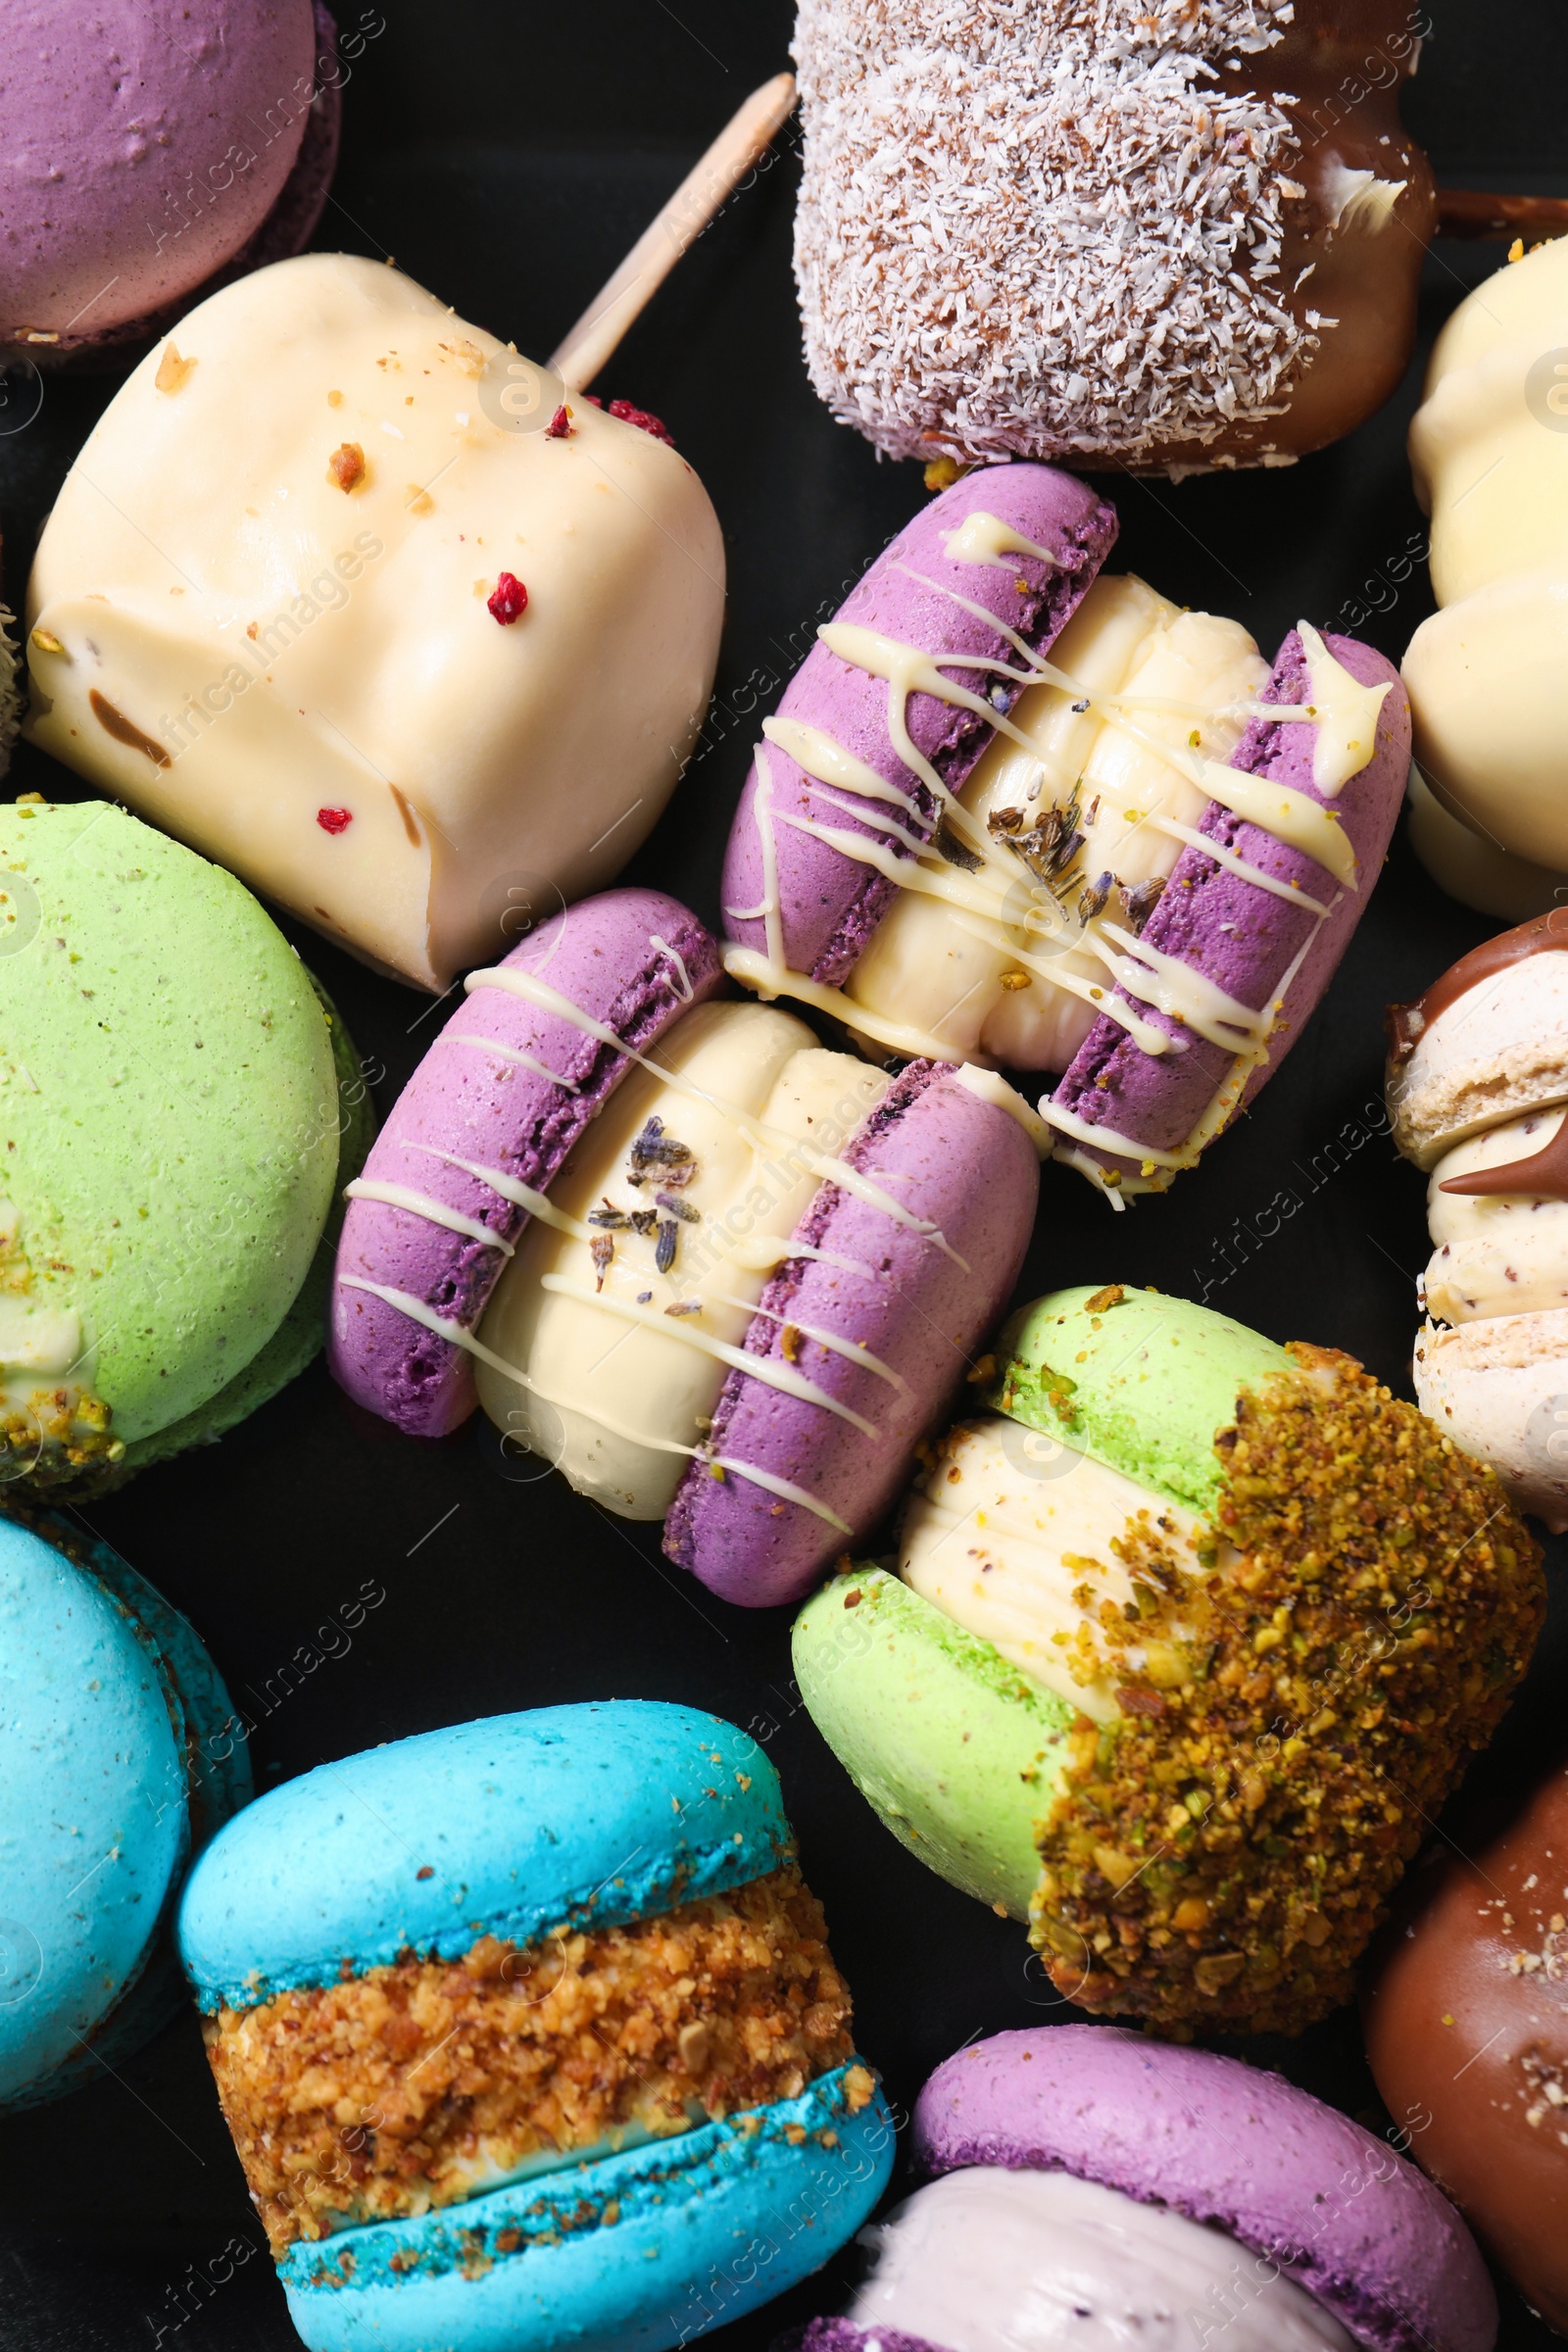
(984, 2260)
(490, 2168)
(614, 1390)
(1005, 1530)
(1500, 1253)
(929, 964)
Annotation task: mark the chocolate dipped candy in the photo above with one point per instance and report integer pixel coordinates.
(1477, 1080)
(1015, 810)
(1190, 1636)
(1489, 451)
(361, 605)
(1466, 2021)
(715, 1274)
(1166, 237)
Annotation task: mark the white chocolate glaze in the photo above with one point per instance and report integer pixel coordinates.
(280, 645)
(987, 2260)
(760, 1106)
(985, 539)
(421, 1204)
(987, 959)
(1009, 1532)
(1495, 1254)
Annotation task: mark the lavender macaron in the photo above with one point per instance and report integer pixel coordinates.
(1086, 2187)
(1018, 813)
(716, 1274)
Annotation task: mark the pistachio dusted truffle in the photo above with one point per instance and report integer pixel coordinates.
(1192, 1635)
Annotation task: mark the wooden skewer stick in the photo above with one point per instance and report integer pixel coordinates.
(702, 194)
(1475, 212)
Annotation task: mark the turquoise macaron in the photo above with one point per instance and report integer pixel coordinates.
(115, 1766)
(529, 2037)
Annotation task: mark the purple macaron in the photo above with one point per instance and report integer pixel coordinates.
(1302, 2212)
(152, 153)
(868, 1311)
(1224, 952)
(830, 902)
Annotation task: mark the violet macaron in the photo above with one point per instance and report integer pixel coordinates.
(716, 1274)
(148, 158)
(1088, 2187)
(1015, 812)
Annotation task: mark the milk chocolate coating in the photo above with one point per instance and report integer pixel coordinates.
(1344, 60)
(1467, 2031)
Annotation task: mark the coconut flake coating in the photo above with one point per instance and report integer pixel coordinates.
(1244, 939)
(830, 903)
(949, 1157)
(1043, 230)
(1350, 2221)
(494, 1112)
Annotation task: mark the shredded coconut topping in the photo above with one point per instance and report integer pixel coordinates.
(1039, 228)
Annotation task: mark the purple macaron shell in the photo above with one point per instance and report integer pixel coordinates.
(191, 158)
(949, 1156)
(831, 903)
(1243, 937)
(497, 1113)
(1350, 2221)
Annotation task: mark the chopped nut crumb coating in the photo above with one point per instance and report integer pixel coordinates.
(415, 2085)
(1220, 1853)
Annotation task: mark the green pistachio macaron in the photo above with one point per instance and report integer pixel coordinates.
(1191, 1636)
(175, 1100)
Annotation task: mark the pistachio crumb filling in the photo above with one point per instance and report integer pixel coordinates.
(418, 2085)
(1221, 1851)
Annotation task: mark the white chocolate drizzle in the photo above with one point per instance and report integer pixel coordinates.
(421, 1204)
(823, 1164)
(998, 904)
(683, 980)
(850, 1349)
(458, 1335)
(513, 1189)
(765, 1368)
(985, 539)
(488, 1044)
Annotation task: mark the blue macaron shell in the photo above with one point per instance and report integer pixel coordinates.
(511, 1826)
(94, 1824)
(635, 2253)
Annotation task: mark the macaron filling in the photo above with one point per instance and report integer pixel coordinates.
(1497, 1252)
(418, 2085)
(612, 1330)
(990, 2260)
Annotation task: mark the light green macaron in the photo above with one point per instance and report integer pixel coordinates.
(175, 1100)
(1188, 1718)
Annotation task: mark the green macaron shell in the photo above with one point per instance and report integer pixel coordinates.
(170, 1113)
(301, 1335)
(1142, 1382)
(957, 1753)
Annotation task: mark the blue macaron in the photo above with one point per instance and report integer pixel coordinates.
(529, 2037)
(113, 1768)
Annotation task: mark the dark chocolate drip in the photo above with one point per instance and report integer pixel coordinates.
(1405, 1024)
(1543, 1176)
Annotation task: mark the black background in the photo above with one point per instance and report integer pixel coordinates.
(507, 152)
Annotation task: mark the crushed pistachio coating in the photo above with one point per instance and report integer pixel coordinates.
(1222, 1850)
(415, 2085)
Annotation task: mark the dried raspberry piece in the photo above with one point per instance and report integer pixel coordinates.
(643, 420)
(561, 427)
(334, 821)
(510, 600)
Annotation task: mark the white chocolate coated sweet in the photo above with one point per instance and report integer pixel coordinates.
(1000, 1534)
(623, 1392)
(228, 641)
(1495, 1254)
(1489, 449)
(988, 2260)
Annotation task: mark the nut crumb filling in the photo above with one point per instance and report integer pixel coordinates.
(1219, 1855)
(427, 2081)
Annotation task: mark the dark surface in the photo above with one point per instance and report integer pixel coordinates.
(507, 155)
